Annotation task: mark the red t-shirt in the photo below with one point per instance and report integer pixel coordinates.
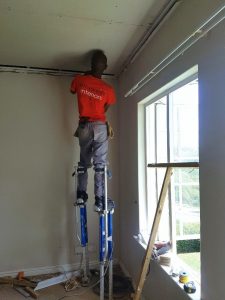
(92, 94)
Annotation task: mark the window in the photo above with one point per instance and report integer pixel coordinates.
(171, 135)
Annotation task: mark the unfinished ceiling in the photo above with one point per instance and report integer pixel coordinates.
(60, 34)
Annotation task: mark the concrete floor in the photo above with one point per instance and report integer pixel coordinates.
(56, 292)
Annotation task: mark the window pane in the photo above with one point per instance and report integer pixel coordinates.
(185, 182)
(184, 123)
(151, 196)
(164, 228)
(150, 134)
(161, 130)
(156, 151)
(181, 211)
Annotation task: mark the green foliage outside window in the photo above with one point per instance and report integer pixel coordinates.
(188, 246)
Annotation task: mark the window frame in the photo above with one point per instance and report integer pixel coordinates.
(144, 104)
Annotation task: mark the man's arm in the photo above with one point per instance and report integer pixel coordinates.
(73, 87)
(111, 98)
(106, 106)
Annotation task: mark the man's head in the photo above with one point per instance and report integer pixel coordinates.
(98, 62)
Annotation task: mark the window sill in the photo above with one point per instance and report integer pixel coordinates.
(168, 270)
(195, 296)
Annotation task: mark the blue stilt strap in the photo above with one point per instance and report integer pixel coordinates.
(110, 233)
(102, 237)
(83, 225)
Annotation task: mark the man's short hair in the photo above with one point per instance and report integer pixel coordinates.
(98, 54)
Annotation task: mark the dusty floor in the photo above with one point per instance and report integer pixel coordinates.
(57, 292)
(51, 293)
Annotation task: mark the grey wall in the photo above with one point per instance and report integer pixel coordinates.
(208, 53)
(38, 117)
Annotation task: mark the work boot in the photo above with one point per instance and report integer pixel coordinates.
(99, 203)
(82, 197)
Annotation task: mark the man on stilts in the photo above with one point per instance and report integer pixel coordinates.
(94, 98)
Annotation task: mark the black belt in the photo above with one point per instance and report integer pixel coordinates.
(84, 120)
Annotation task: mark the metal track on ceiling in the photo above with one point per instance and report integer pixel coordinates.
(164, 14)
(44, 71)
(198, 33)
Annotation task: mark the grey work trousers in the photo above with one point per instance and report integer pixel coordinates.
(93, 140)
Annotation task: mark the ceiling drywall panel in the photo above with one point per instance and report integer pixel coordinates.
(60, 34)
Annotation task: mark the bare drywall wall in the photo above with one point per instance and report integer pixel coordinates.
(38, 117)
(208, 54)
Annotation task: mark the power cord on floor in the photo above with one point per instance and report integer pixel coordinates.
(93, 285)
(86, 289)
(79, 269)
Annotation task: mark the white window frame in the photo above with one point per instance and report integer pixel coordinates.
(182, 80)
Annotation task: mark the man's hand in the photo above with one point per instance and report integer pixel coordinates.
(110, 131)
(76, 133)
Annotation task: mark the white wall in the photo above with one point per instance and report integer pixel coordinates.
(38, 117)
(208, 53)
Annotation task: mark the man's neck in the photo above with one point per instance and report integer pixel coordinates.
(96, 74)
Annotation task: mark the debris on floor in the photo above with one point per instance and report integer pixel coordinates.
(21, 284)
(72, 284)
(26, 285)
(22, 291)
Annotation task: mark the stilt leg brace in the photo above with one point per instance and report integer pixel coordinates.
(81, 170)
(82, 178)
(99, 180)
